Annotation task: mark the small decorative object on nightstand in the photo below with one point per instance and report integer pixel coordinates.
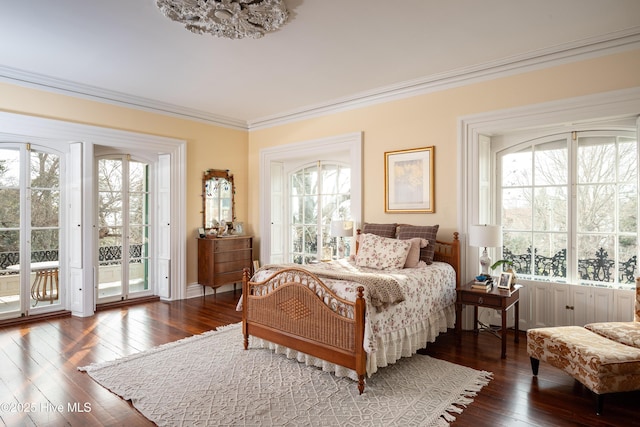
(505, 280)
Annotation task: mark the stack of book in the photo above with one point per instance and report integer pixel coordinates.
(484, 285)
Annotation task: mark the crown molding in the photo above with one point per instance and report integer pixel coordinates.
(561, 54)
(93, 93)
(557, 55)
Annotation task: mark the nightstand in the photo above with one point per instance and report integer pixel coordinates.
(496, 298)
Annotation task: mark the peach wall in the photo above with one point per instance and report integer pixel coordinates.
(208, 146)
(424, 120)
(431, 119)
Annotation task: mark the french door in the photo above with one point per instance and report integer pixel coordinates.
(318, 194)
(123, 228)
(30, 230)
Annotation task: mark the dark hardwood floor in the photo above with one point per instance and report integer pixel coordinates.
(41, 386)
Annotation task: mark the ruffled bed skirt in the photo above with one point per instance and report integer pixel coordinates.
(390, 347)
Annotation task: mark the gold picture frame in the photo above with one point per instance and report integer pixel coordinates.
(409, 181)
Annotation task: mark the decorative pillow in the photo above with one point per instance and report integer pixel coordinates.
(382, 253)
(383, 230)
(427, 232)
(413, 258)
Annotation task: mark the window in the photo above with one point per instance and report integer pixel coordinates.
(569, 207)
(319, 194)
(277, 165)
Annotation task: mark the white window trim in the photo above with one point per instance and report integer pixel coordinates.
(17, 127)
(622, 104)
(351, 142)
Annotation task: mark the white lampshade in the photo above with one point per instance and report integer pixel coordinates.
(341, 228)
(485, 236)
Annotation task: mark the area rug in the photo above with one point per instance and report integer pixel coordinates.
(210, 380)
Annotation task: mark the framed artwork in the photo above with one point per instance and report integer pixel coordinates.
(408, 180)
(505, 280)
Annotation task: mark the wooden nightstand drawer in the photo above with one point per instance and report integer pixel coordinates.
(482, 298)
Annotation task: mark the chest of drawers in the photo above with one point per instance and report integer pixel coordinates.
(221, 260)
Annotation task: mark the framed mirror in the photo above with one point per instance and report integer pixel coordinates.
(217, 198)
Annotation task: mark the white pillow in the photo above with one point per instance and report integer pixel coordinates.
(382, 253)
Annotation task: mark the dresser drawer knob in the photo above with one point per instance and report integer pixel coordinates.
(480, 300)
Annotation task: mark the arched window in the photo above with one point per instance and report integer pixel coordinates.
(568, 206)
(319, 193)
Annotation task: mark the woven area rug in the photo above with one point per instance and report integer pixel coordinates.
(209, 380)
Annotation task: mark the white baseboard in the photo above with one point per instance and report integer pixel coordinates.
(195, 290)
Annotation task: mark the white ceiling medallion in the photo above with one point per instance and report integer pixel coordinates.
(231, 19)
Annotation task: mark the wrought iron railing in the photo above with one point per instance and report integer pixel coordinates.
(107, 255)
(598, 269)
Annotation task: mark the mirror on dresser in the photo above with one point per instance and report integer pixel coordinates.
(222, 253)
(218, 202)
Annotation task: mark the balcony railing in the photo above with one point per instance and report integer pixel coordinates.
(600, 268)
(107, 255)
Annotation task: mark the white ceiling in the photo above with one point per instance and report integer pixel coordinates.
(330, 52)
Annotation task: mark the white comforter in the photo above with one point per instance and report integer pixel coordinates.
(397, 330)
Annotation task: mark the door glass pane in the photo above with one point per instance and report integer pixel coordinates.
(138, 230)
(138, 258)
(9, 231)
(138, 273)
(45, 228)
(109, 175)
(9, 270)
(110, 263)
(110, 218)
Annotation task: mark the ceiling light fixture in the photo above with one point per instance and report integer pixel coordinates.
(231, 19)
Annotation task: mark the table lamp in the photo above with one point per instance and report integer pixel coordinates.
(485, 236)
(340, 230)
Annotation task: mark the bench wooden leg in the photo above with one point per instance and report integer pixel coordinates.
(535, 365)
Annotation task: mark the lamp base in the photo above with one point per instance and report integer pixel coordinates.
(485, 262)
(341, 248)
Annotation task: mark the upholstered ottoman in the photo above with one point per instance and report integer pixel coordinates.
(601, 364)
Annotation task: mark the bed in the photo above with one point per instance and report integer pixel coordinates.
(345, 316)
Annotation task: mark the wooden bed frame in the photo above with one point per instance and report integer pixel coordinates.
(295, 309)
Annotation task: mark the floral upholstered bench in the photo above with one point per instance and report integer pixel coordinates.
(604, 357)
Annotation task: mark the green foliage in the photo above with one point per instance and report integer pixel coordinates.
(501, 262)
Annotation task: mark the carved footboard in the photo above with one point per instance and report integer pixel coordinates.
(295, 309)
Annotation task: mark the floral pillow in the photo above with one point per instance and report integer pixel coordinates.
(382, 253)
